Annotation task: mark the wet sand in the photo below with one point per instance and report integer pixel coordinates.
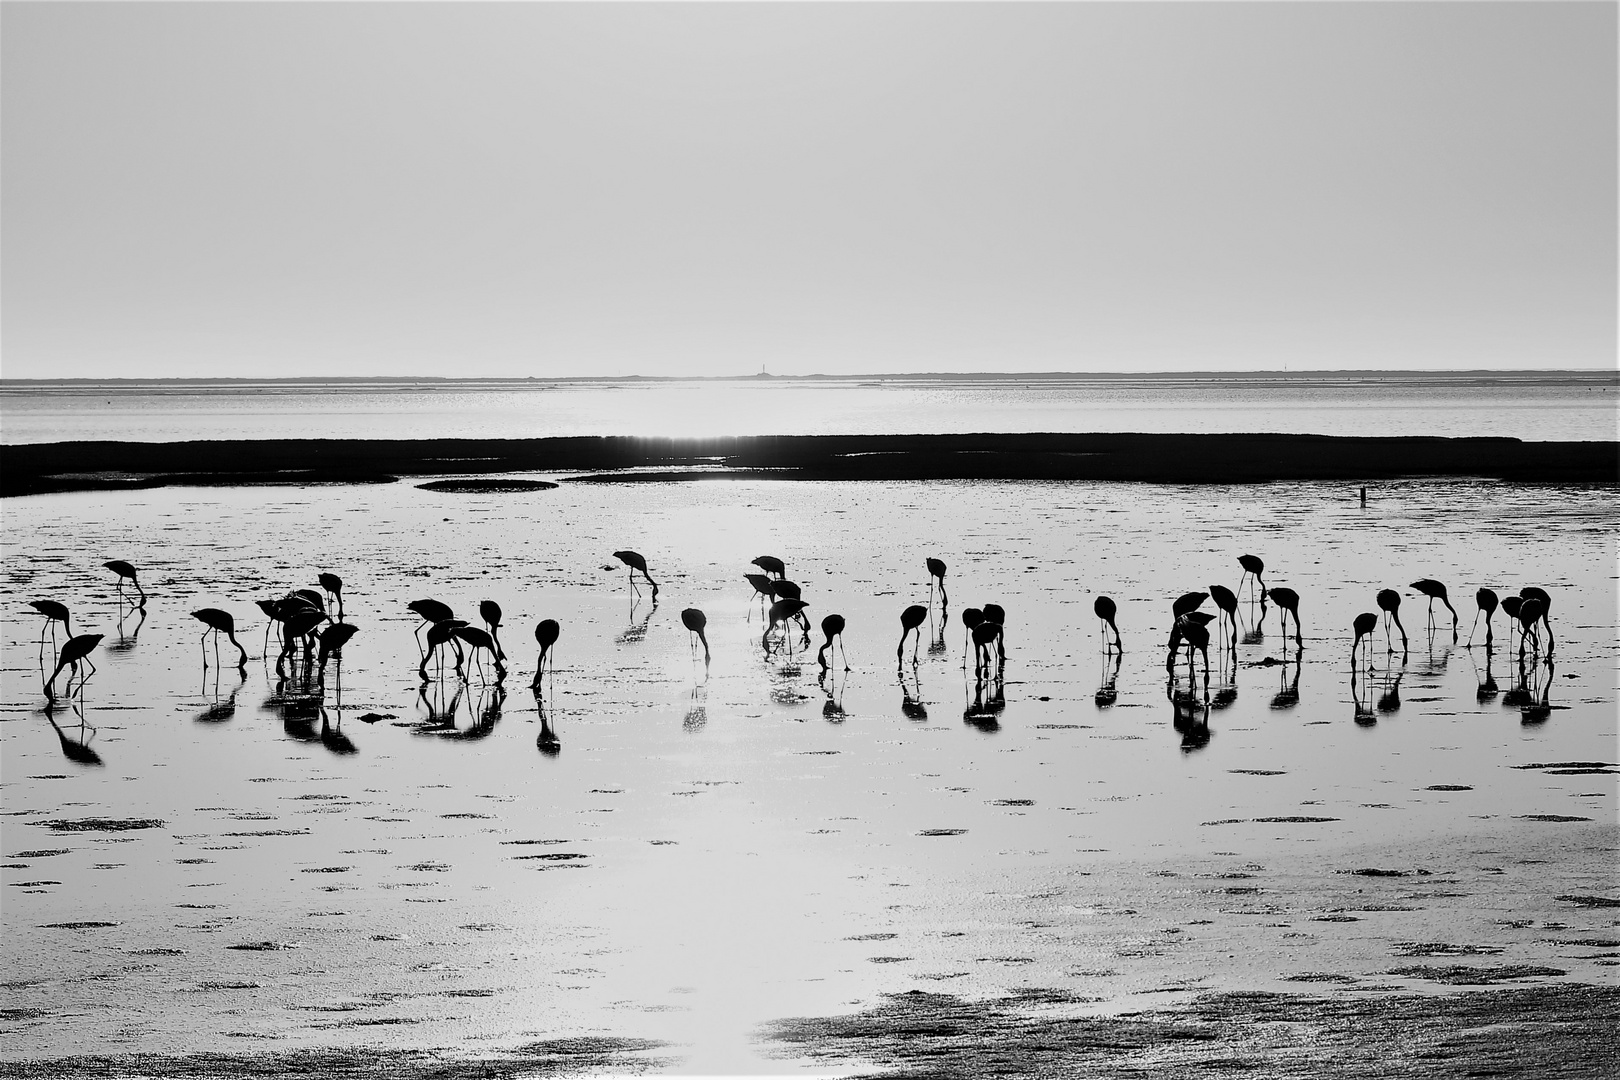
(1203, 459)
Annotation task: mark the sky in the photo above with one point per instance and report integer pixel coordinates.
(715, 189)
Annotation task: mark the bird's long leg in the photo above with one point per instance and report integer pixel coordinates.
(1473, 628)
(203, 642)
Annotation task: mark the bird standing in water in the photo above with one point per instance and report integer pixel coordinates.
(635, 562)
(1389, 602)
(936, 571)
(782, 612)
(1226, 600)
(490, 612)
(1486, 599)
(831, 627)
(1529, 593)
(695, 621)
(1288, 600)
(125, 570)
(1436, 591)
(1106, 610)
(219, 622)
(545, 633)
(1252, 564)
(334, 591)
(910, 619)
(54, 613)
(1364, 625)
(75, 652)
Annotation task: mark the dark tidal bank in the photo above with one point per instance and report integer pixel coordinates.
(1544, 1031)
(1198, 459)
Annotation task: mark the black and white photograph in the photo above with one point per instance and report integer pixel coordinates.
(809, 539)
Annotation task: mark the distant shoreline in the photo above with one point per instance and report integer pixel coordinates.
(1596, 377)
(41, 468)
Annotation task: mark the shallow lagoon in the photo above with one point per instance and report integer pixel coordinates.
(703, 855)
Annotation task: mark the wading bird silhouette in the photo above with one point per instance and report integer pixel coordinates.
(334, 591)
(936, 571)
(430, 612)
(1252, 564)
(994, 615)
(125, 570)
(1106, 610)
(1435, 591)
(771, 565)
(218, 622)
(695, 621)
(831, 627)
(332, 640)
(972, 619)
(985, 635)
(54, 613)
(1288, 600)
(1364, 625)
(490, 612)
(783, 589)
(1530, 592)
(1226, 600)
(1510, 607)
(910, 620)
(440, 634)
(762, 590)
(1530, 613)
(782, 612)
(1389, 602)
(1187, 602)
(1196, 636)
(545, 633)
(1486, 599)
(76, 651)
(476, 640)
(635, 562)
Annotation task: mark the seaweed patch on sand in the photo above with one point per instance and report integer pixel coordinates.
(1564, 1031)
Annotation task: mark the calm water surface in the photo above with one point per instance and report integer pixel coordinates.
(1527, 406)
(703, 853)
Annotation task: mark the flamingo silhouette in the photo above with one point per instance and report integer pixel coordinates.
(910, 619)
(1106, 610)
(54, 613)
(477, 639)
(1187, 602)
(545, 632)
(76, 651)
(1436, 591)
(1288, 600)
(635, 562)
(1196, 636)
(334, 590)
(1486, 599)
(1530, 613)
(762, 589)
(1510, 608)
(1530, 592)
(430, 612)
(1364, 625)
(1389, 602)
(490, 612)
(332, 640)
(984, 635)
(219, 622)
(695, 621)
(831, 627)
(782, 612)
(1252, 564)
(440, 634)
(936, 569)
(994, 615)
(1226, 600)
(771, 565)
(125, 570)
(971, 618)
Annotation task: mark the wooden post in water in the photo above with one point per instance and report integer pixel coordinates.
(1363, 498)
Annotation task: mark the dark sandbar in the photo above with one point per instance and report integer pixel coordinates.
(1199, 459)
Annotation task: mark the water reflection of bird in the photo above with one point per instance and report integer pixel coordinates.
(74, 749)
(125, 570)
(1363, 713)
(546, 742)
(936, 571)
(1389, 602)
(74, 652)
(771, 565)
(1106, 610)
(1434, 591)
(54, 613)
(910, 620)
(695, 622)
(334, 590)
(1486, 599)
(218, 622)
(1288, 600)
(1287, 695)
(912, 706)
(1252, 564)
(635, 562)
(1364, 625)
(546, 632)
(1107, 690)
(490, 612)
(831, 627)
(637, 628)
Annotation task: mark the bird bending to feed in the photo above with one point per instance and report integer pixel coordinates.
(1530, 613)
(831, 627)
(75, 652)
(771, 565)
(332, 639)
(334, 590)
(971, 619)
(695, 621)
(54, 613)
(1106, 610)
(545, 632)
(1195, 635)
(490, 612)
(1364, 625)
(430, 612)
(125, 570)
(477, 639)
(1288, 600)
(1486, 599)
(219, 622)
(1436, 591)
(1252, 565)
(984, 635)
(1530, 592)
(781, 613)
(1389, 602)
(994, 615)
(635, 562)
(936, 570)
(1188, 602)
(762, 589)
(440, 634)
(1226, 600)
(910, 619)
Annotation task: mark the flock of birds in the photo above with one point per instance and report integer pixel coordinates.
(312, 631)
